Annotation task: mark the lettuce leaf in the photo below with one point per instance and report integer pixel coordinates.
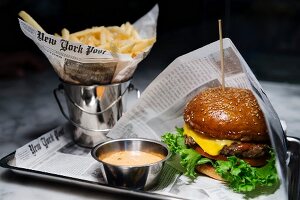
(175, 142)
(189, 157)
(239, 175)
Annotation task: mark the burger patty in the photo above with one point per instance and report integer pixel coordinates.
(245, 150)
(239, 149)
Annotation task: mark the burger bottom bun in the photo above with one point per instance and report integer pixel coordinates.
(208, 170)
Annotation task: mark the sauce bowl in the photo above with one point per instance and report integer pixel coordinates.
(141, 176)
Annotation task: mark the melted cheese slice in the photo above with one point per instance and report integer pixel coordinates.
(210, 146)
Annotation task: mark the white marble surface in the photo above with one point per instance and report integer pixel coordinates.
(28, 109)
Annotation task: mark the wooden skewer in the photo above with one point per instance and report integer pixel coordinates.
(221, 53)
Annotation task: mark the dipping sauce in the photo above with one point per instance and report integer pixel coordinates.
(132, 158)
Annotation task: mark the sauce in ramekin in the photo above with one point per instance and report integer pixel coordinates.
(132, 158)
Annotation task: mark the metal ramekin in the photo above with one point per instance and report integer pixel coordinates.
(133, 177)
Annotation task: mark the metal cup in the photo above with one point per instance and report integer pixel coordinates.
(94, 109)
(132, 177)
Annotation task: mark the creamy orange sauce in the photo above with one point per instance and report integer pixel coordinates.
(132, 158)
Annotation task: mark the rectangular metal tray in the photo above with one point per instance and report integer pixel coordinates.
(293, 176)
(5, 163)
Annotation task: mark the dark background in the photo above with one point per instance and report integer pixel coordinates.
(267, 33)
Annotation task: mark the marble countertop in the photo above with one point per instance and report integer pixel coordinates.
(28, 109)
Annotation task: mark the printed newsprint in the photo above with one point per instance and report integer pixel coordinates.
(159, 110)
(84, 64)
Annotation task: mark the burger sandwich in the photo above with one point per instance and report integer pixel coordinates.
(225, 137)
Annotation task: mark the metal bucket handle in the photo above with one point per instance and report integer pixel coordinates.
(60, 88)
(131, 88)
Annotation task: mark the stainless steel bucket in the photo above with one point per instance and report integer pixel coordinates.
(94, 109)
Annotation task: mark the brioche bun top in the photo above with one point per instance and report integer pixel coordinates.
(232, 113)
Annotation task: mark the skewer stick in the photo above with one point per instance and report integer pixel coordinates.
(221, 53)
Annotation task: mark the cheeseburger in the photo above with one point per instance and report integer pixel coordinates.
(226, 127)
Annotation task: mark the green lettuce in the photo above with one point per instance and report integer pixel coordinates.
(239, 175)
(189, 157)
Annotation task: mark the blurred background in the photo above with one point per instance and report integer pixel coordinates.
(267, 33)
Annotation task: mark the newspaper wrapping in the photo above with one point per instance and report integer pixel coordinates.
(160, 110)
(83, 64)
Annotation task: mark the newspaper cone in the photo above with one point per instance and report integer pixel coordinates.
(85, 65)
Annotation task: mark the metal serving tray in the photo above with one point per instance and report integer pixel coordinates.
(5, 163)
(293, 145)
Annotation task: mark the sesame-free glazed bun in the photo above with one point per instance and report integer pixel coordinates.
(232, 113)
